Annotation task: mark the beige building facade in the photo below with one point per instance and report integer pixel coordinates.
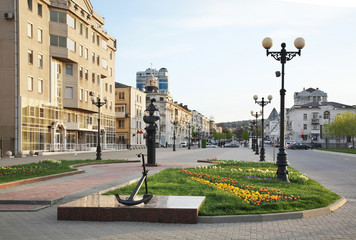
(130, 105)
(54, 55)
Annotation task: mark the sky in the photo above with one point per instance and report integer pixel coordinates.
(214, 55)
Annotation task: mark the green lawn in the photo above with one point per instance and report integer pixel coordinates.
(42, 168)
(244, 178)
(342, 150)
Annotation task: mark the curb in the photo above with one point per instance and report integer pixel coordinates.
(273, 216)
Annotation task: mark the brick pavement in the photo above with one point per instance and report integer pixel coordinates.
(43, 224)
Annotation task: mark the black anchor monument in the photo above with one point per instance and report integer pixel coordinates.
(151, 158)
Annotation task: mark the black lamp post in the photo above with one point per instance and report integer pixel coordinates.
(198, 137)
(256, 115)
(283, 56)
(189, 126)
(174, 135)
(151, 133)
(99, 104)
(262, 104)
(252, 124)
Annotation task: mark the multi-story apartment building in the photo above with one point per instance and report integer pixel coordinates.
(54, 53)
(162, 77)
(130, 104)
(305, 120)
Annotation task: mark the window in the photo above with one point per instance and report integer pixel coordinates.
(315, 115)
(120, 123)
(93, 77)
(42, 113)
(120, 109)
(81, 28)
(104, 63)
(81, 94)
(39, 35)
(93, 37)
(59, 17)
(29, 30)
(71, 21)
(104, 44)
(97, 39)
(110, 88)
(71, 44)
(40, 86)
(110, 71)
(81, 72)
(86, 95)
(110, 55)
(40, 60)
(29, 5)
(93, 57)
(30, 84)
(39, 9)
(305, 127)
(86, 53)
(98, 79)
(81, 50)
(121, 96)
(86, 32)
(86, 74)
(305, 116)
(98, 60)
(326, 115)
(69, 69)
(58, 41)
(69, 92)
(106, 87)
(30, 56)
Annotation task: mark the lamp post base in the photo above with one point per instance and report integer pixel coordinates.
(282, 163)
(262, 156)
(98, 153)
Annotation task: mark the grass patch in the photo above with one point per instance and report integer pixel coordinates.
(42, 168)
(241, 186)
(342, 150)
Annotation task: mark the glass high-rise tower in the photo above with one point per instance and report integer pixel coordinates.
(162, 76)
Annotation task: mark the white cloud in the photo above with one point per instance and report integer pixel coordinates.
(326, 3)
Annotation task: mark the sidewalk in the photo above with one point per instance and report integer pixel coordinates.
(35, 196)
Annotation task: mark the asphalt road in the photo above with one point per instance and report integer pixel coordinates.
(334, 171)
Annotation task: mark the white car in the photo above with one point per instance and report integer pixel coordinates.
(184, 144)
(209, 145)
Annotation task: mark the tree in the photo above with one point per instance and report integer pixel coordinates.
(245, 135)
(344, 125)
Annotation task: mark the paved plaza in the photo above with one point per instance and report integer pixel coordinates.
(334, 171)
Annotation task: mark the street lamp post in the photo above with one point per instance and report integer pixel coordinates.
(262, 104)
(283, 56)
(252, 136)
(256, 115)
(198, 137)
(99, 104)
(174, 136)
(189, 136)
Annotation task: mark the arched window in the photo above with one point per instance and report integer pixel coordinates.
(326, 115)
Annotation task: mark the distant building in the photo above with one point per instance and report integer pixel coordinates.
(306, 119)
(161, 75)
(272, 126)
(310, 95)
(130, 105)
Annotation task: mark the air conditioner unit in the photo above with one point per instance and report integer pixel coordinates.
(9, 15)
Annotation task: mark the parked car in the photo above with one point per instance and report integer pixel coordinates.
(231, 145)
(209, 145)
(289, 143)
(299, 146)
(184, 144)
(315, 145)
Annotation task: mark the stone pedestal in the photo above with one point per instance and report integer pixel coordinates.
(163, 209)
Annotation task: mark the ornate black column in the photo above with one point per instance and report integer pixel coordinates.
(151, 133)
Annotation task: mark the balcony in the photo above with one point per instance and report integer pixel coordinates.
(120, 114)
(315, 121)
(72, 125)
